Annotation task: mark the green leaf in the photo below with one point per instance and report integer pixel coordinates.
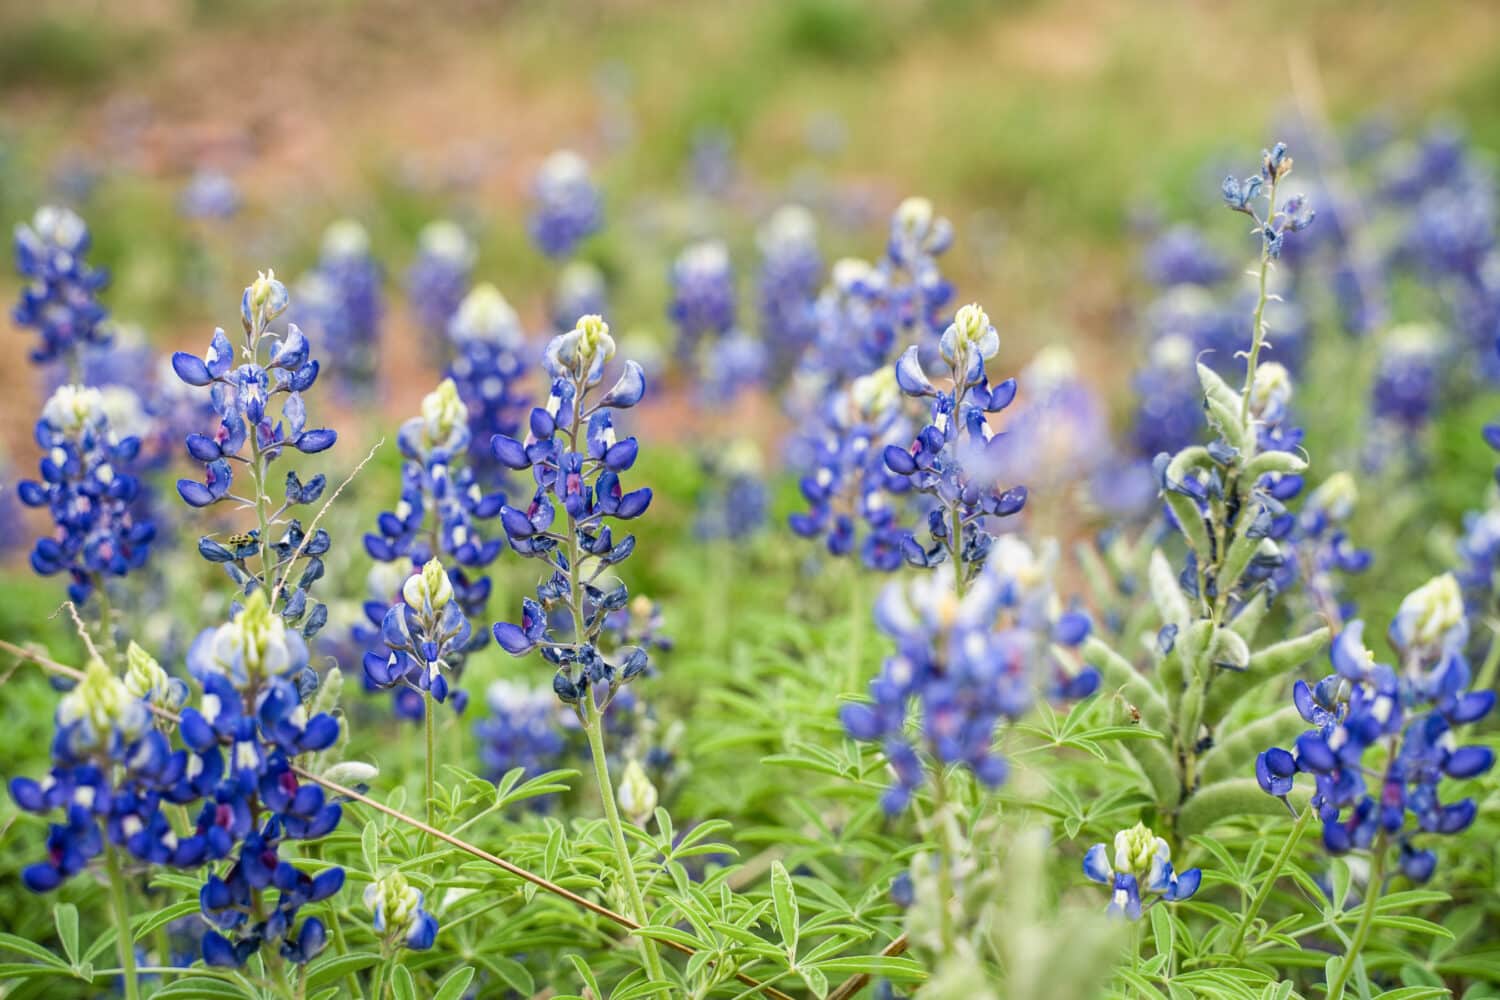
(30, 949)
(1265, 665)
(65, 916)
(403, 986)
(1231, 799)
(1161, 930)
(369, 849)
(453, 985)
(514, 973)
(200, 988)
(330, 968)
(587, 975)
(1234, 755)
(1171, 604)
(815, 980)
(784, 895)
(1118, 674)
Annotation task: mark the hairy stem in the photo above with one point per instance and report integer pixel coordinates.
(1236, 948)
(594, 726)
(124, 939)
(1258, 332)
(944, 872)
(430, 786)
(1366, 921)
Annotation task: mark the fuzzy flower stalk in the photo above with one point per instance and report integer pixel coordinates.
(569, 524)
(957, 459)
(263, 708)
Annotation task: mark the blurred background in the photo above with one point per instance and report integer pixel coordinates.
(1047, 131)
(1066, 141)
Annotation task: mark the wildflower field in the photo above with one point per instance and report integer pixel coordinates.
(783, 500)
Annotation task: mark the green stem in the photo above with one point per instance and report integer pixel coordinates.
(593, 726)
(1264, 892)
(1257, 334)
(124, 939)
(1366, 921)
(380, 972)
(427, 725)
(957, 542)
(944, 872)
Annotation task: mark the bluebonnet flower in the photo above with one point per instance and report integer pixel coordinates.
(520, 731)
(439, 516)
(339, 304)
(1323, 551)
(1479, 557)
(1169, 398)
(576, 461)
(209, 194)
(1294, 215)
(703, 301)
(1410, 714)
(398, 910)
(566, 205)
(733, 502)
(581, 291)
(733, 364)
(847, 483)
(60, 298)
(488, 363)
(639, 624)
(1142, 865)
(112, 772)
(918, 236)
(425, 635)
(1406, 392)
(99, 528)
(791, 271)
(261, 709)
(439, 277)
(1061, 434)
(867, 309)
(962, 674)
(1182, 255)
(711, 164)
(241, 398)
(957, 459)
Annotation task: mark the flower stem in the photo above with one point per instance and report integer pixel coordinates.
(427, 725)
(124, 940)
(1258, 332)
(594, 726)
(1366, 921)
(1264, 892)
(944, 872)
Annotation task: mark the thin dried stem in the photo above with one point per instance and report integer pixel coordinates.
(313, 526)
(857, 982)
